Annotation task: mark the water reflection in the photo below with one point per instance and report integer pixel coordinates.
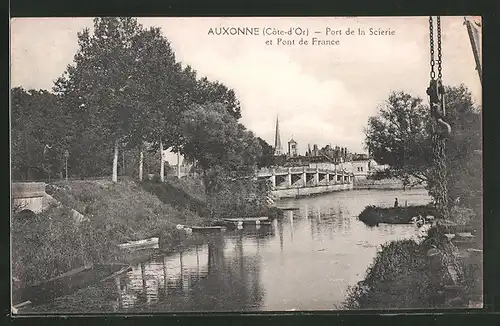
(222, 274)
(305, 261)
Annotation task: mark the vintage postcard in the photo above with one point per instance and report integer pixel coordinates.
(168, 165)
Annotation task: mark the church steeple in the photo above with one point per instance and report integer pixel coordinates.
(277, 139)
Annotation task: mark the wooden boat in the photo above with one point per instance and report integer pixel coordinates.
(139, 243)
(246, 219)
(206, 228)
(289, 208)
(67, 283)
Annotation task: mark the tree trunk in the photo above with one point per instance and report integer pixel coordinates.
(115, 163)
(141, 160)
(162, 166)
(178, 166)
(28, 153)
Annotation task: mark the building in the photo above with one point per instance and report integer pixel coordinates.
(360, 168)
(277, 140)
(364, 166)
(292, 148)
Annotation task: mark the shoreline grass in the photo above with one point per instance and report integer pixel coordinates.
(373, 215)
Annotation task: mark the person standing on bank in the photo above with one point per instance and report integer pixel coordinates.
(396, 204)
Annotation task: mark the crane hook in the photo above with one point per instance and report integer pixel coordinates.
(437, 104)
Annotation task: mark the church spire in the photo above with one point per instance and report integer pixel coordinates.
(277, 139)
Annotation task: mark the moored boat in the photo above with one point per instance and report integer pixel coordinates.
(139, 243)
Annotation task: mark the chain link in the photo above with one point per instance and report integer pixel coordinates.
(440, 178)
(439, 46)
(431, 39)
(438, 185)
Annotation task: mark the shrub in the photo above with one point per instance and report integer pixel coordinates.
(400, 277)
(53, 243)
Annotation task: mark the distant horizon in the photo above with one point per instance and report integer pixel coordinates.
(322, 95)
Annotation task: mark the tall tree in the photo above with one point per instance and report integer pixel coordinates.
(400, 136)
(38, 134)
(267, 157)
(220, 145)
(96, 87)
(164, 94)
(216, 92)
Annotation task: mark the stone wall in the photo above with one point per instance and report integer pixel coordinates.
(310, 191)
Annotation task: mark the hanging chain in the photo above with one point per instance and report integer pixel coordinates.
(438, 184)
(431, 39)
(438, 23)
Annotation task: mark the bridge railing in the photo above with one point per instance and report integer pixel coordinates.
(299, 169)
(27, 189)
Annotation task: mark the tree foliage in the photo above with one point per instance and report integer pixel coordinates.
(123, 87)
(221, 146)
(400, 136)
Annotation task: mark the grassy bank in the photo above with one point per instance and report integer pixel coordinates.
(181, 194)
(373, 215)
(52, 243)
(406, 274)
(401, 277)
(124, 209)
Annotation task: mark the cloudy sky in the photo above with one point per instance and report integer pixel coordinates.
(322, 94)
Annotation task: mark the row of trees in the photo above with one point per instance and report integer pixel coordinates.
(400, 136)
(126, 91)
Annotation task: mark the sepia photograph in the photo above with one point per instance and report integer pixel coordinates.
(245, 164)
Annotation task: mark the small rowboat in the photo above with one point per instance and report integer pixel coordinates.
(140, 243)
(289, 208)
(206, 228)
(246, 219)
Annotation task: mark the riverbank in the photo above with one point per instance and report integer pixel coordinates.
(311, 241)
(53, 243)
(384, 184)
(310, 191)
(45, 247)
(441, 270)
(373, 215)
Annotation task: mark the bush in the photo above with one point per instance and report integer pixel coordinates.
(53, 243)
(461, 215)
(401, 276)
(238, 198)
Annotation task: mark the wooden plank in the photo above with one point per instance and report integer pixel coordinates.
(119, 272)
(22, 304)
(246, 219)
(200, 229)
(289, 208)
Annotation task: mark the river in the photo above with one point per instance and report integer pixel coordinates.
(306, 261)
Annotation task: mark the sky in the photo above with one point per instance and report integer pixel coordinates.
(322, 94)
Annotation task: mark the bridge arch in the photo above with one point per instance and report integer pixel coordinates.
(25, 214)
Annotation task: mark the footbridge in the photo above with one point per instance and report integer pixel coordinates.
(303, 181)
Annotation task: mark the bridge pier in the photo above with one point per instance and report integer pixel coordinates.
(273, 178)
(28, 196)
(316, 177)
(289, 178)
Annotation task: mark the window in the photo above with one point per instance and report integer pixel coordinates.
(361, 169)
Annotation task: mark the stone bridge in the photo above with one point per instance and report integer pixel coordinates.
(301, 177)
(29, 198)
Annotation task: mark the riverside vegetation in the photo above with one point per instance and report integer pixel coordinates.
(403, 275)
(51, 243)
(113, 115)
